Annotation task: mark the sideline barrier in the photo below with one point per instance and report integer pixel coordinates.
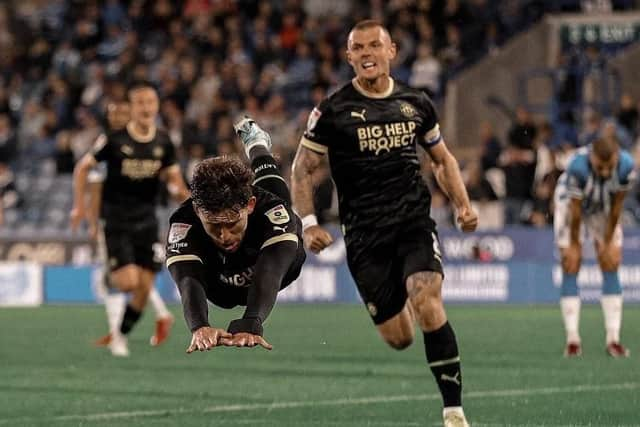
(517, 265)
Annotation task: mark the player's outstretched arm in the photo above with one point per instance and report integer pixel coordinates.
(80, 173)
(271, 267)
(188, 277)
(447, 173)
(305, 163)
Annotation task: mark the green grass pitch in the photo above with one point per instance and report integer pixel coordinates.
(328, 368)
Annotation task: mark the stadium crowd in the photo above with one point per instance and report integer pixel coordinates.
(63, 61)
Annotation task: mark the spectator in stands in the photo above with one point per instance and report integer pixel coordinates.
(490, 147)
(65, 160)
(451, 54)
(425, 71)
(483, 196)
(8, 141)
(628, 115)
(215, 58)
(8, 194)
(518, 160)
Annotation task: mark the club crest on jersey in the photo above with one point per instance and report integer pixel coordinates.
(278, 215)
(407, 109)
(178, 231)
(158, 152)
(312, 121)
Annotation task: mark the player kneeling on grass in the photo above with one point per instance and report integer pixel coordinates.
(236, 241)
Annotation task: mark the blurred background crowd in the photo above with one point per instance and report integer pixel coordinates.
(63, 61)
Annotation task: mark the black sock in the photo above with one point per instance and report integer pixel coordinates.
(442, 354)
(131, 316)
(256, 152)
(268, 174)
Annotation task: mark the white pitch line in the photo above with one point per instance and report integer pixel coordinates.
(334, 402)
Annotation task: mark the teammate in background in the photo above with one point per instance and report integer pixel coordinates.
(371, 128)
(118, 115)
(592, 191)
(135, 158)
(235, 242)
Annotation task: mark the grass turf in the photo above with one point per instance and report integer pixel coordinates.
(328, 368)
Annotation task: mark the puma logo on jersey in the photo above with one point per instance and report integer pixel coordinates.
(283, 229)
(359, 115)
(454, 379)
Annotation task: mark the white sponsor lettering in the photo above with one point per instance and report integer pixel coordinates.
(20, 284)
(241, 280)
(501, 248)
(479, 282)
(314, 284)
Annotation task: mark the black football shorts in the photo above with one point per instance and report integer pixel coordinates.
(134, 243)
(381, 260)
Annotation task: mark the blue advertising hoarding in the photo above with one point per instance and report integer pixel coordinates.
(517, 265)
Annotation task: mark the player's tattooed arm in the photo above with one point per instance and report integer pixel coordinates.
(80, 173)
(305, 164)
(447, 173)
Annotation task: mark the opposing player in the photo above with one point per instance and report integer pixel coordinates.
(588, 203)
(235, 242)
(118, 115)
(370, 129)
(135, 158)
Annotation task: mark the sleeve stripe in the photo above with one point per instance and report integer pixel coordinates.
(432, 143)
(290, 237)
(269, 176)
(179, 258)
(314, 146)
(444, 362)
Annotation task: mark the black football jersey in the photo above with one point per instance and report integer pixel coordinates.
(130, 189)
(272, 221)
(372, 147)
